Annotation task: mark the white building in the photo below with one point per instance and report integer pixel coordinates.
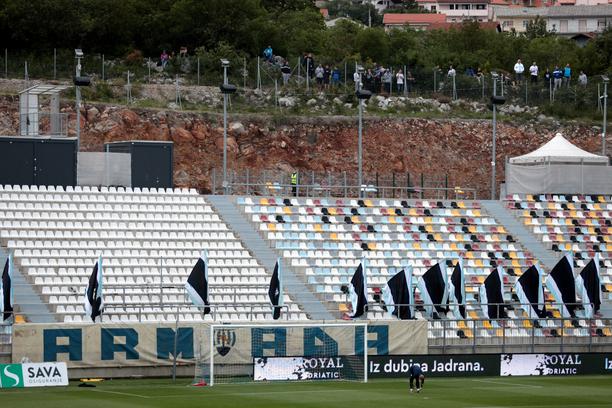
(458, 10)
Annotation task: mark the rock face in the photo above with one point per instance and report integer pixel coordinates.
(459, 148)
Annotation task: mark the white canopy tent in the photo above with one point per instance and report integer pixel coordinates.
(559, 150)
(559, 167)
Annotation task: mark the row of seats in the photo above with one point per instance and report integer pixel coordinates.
(150, 241)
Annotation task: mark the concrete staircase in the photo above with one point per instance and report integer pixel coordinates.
(26, 300)
(259, 248)
(548, 259)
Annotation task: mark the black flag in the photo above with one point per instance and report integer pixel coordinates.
(6, 289)
(94, 305)
(275, 291)
(588, 285)
(358, 291)
(197, 284)
(397, 295)
(562, 284)
(456, 291)
(529, 289)
(433, 286)
(492, 295)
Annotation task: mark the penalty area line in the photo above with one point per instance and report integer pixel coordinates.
(127, 394)
(508, 383)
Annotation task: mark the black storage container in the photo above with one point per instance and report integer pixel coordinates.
(38, 161)
(152, 164)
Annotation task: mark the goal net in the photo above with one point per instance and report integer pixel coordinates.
(231, 353)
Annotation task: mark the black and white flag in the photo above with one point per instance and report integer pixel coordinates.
(6, 289)
(275, 291)
(492, 295)
(358, 291)
(197, 284)
(588, 286)
(397, 295)
(456, 291)
(529, 289)
(562, 284)
(433, 286)
(94, 304)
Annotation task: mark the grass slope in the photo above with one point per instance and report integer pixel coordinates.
(525, 392)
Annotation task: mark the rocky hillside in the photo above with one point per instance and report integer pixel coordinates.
(460, 148)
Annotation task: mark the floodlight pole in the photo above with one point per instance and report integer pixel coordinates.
(78, 102)
(494, 139)
(360, 148)
(225, 186)
(605, 117)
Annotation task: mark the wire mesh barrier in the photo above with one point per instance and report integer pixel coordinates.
(124, 77)
(341, 184)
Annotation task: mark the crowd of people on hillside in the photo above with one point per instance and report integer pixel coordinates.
(557, 78)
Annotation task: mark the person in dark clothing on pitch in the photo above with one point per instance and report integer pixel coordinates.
(416, 373)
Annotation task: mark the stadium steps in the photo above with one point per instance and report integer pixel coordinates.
(26, 301)
(259, 247)
(522, 235)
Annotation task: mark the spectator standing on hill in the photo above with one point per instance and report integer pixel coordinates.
(547, 77)
(533, 71)
(326, 76)
(357, 80)
(519, 69)
(451, 72)
(286, 72)
(319, 72)
(268, 54)
(409, 81)
(368, 80)
(557, 77)
(567, 75)
(163, 58)
(582, 79)
(399, 80)
(387, 80)
(336, 76)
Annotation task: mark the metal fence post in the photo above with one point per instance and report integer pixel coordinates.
(198, 71)
(103, 77)
(54, 63)
(6, 62)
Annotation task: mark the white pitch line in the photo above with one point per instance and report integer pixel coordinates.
(263, 394)
(508, 383)
(123, 393)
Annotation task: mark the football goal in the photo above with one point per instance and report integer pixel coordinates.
(231, 353)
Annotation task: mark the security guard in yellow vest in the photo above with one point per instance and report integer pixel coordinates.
(294, 182)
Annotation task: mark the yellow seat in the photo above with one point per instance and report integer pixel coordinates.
(20, 319)
(287, 210)
(343, 308)
(527, 324)
(461, 324)
(318, 228)
(461, 204)
(263, 201)
(438, 237)
(392, 220)
(333, 236)
(416, 245)
(333, 211)
(355, 219)
(368, 203)
(477, 213)
(271, 227)
(487, 325)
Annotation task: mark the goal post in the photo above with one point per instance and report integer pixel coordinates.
(231, 353)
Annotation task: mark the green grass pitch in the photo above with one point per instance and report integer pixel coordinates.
(489, 392)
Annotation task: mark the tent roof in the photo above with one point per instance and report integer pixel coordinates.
(559, 150)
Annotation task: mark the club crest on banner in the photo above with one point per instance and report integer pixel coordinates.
(224, 341)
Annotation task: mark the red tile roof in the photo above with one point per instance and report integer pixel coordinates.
(324, 12)
(421, 18)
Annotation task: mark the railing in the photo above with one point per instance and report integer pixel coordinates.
(543, 332)
(313, 184)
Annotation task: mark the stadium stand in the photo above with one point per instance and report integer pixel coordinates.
(580, 224)
(150, 240)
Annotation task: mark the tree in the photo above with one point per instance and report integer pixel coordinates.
(536, 28)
